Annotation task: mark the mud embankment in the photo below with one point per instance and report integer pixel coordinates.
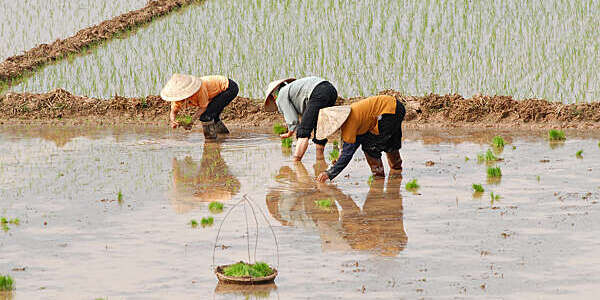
(16, 66)
(61, 107)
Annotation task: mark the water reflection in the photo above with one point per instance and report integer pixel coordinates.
(377, 227)
(258, 291)
(196, 182)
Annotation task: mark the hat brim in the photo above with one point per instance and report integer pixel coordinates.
(331, 120)
(173, 92)
(269, 100)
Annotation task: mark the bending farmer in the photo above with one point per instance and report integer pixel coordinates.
(303, 97)
(209, 93)
(374, 123)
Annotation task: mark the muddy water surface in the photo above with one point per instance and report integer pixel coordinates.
(378, 240)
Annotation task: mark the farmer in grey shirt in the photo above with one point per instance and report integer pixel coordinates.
(296, 98)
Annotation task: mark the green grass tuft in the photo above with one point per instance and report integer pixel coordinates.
(412, 185)
(215, 207)
(494, 172)
(287, 142)
(207, 221)
(556, 135)
(242, 269)
(498, 142)
(6, 283)
(579, 154)
(185, 120)
(324, 203)
(279, 129)
(478, 188)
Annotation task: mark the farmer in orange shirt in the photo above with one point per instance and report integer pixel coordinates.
(209, 93)
(375, 124)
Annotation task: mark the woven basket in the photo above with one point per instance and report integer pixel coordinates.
(243, 280)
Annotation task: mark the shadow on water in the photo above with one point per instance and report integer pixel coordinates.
(196, 182)
(378, 227)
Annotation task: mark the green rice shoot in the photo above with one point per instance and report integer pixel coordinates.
(193, 223)
(480, 158)
(498, 142)
(324, 203)
(207, 221)
(556, 135)
(370, 180)
(279, 129)
(334, 154)
(494, 197)
(286, 143)
(494, 172)
(120, 196)
(478, 188)
(242, 269)
(579, 154)
(412, 185)
(6, 283)
(489, 156)
(467, 158)
(215, 207)
(184, 120)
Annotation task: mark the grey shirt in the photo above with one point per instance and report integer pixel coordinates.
(292, 98)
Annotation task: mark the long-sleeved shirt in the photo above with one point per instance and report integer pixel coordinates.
(212, 86)
(363, 118)
(292, 98)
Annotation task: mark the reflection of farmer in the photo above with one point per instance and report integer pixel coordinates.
(374, 123)
(303, 97)
(209, 93)
(209, 181)
(378, 226)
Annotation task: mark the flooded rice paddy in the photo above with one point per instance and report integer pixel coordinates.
(379, 241)
(539, 49)
(28, 23)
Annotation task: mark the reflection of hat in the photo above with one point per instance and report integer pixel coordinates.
(269, 103)
(331, 119)
(180, 87)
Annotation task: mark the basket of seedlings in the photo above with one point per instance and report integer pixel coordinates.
(251, 271)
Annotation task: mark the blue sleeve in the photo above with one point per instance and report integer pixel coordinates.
(348, 151)
(286, 107)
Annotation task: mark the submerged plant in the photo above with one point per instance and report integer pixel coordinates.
(556, 135)
(207, 221)
(478, 188)
(324, 203)
(498, 142)
(412, 185)
(242, 269)
(184, 120)
(215, 207)
(287, 142)
(579, 154)
(279, 129)
(6, 283)
(193, 223)
(494, 172)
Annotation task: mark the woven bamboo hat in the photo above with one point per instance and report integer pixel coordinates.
(269, 102)
(180, 87)
(331, 119)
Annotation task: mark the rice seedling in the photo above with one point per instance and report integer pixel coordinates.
(334, 154)
(185, 121)
(279, 129)
(6, 283)
(370, 180)
(494, 172)
(193, 223)
(478, 188)
(498, 142)
(412, 185)
(538, 178)
(120, 196)
(579, 154)
(480, 158)
(466, 158)
(324, 203)
(3, 220)
(5, 227)
(494, 197)
(242, 269)
(286, 142)
(15, 221)
(215, 207)
(207, 221)
(514, 147)
(556, 135)
(490, 157)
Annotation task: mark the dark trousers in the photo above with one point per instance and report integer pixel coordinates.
(218, 103)
(390, 134)
(324, 95)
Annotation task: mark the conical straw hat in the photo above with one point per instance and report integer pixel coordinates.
(269, 103)
(331, 119)
(180, 87)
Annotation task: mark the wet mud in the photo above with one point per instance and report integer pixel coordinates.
(16, 66)
(450, 111)
(377, 240)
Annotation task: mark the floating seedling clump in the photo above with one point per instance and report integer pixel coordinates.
(334, 154)
(494, 172)
(193, 223)
(498, 142)
(286, 142)
(185, 121)
(556, 135)
(207, 221)
(579, 154)
(279, 129)
(412, 185)
(215, 207)
(6, 283)
(120, 197)
(4, 222)
(242, 269)
(324, 203)
(478, 188)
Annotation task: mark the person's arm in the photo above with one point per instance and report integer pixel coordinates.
(348, 151)
(286, 107)
(173, 114)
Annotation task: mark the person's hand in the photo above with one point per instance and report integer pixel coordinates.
(286, 135)
(174, 124)
(322, 177)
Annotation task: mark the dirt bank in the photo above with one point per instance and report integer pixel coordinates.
(61, 107)
(16, 66)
